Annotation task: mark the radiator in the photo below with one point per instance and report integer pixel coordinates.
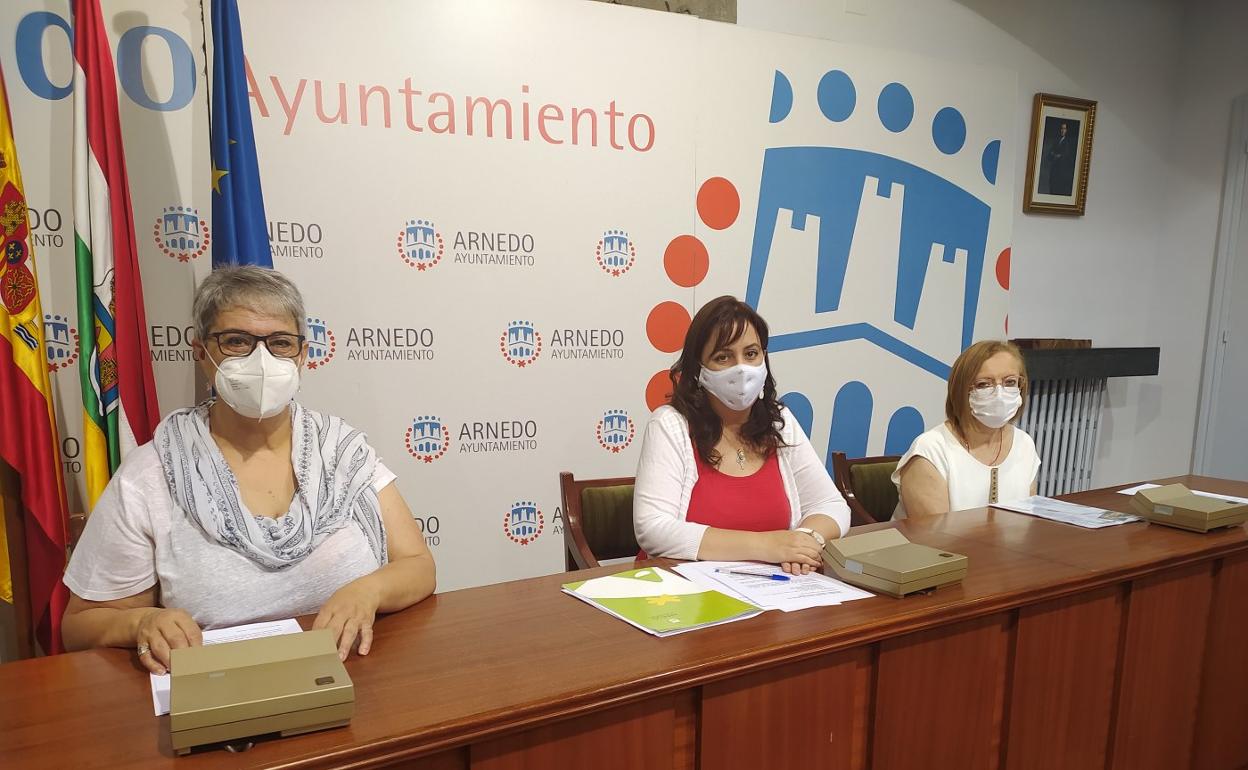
(1063, 417)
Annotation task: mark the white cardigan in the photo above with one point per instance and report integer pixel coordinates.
(667, 472)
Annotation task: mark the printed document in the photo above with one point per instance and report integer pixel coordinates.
(1067, 513)
(1228, 498)
(799, 592)
(160, 682)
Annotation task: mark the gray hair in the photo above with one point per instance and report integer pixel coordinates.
(250, 287)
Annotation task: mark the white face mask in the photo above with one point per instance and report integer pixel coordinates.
(995, 408)
(258, 385)
(738, 387)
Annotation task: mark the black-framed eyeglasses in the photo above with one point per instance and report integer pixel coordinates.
(234, 342)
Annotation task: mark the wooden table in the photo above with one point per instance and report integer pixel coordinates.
(1063, 648)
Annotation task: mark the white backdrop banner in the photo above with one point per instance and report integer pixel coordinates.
(502, 216)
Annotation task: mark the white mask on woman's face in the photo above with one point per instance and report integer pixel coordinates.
(995, 408)
(738, 387)
(258, 385)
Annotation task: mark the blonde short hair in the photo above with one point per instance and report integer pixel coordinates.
(962, 379)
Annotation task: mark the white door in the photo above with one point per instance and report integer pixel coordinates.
(1226, 447)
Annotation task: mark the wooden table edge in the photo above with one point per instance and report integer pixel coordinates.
(488, 725)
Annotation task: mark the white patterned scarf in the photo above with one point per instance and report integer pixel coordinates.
(334, 467)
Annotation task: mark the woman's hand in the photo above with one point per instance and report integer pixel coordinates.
(160, 631)
(796, 552)
(350, 613)
(794, 568)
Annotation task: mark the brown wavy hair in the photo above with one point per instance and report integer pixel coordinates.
(723, 320)
(962, 377)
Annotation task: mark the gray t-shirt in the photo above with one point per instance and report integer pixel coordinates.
(137, 536)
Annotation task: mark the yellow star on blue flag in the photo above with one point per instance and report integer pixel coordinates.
(241, 234)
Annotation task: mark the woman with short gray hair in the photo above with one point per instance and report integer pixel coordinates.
(248, 507)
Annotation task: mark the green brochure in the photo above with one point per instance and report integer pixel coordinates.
(660, 602)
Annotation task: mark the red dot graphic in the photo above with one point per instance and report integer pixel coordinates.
(666, 326)
(658, 389)
(1003, 269)
(686, 261)
(718, 203)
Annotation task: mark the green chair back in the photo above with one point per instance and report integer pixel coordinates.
(607, 521)
(873, 487)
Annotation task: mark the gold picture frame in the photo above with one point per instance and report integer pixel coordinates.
(1059, 155)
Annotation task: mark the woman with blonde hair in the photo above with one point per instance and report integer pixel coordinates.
(976, 456)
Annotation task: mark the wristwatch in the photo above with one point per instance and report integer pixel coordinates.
(818, 537)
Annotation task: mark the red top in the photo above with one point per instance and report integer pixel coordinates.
(754, 503)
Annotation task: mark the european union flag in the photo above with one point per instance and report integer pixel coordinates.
(241, 234)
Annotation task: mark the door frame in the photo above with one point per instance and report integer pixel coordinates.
(1229, 233)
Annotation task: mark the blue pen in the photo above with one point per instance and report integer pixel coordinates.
(771, 575)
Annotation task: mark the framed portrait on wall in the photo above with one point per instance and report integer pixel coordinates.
(1059, 154)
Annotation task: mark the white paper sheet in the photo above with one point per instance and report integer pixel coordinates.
(1067, 513)
(799, 592)
(1228, 498)
(160, 682)
(1137, 488)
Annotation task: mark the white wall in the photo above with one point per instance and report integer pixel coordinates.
(1135, 270)
(1214, 71)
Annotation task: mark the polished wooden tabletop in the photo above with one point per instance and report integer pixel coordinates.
(481, 662)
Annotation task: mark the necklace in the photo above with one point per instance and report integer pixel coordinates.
(1000, 446)
(740, 450)
(992, 466)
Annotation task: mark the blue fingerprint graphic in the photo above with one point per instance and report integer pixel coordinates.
(903, 428)
(851, 421)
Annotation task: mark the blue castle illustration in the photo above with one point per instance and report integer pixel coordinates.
(523, 519)
(521, 339)
(318, 338)
(179, 228)
(811, 199)
(615, 427)
(56, 337)
(615, 248)
(419, 240)
(427, 437)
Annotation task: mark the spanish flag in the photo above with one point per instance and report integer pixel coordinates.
(28, 439)
(115, 365)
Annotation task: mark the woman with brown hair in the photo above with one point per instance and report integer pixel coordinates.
(726, 473)
(976, 456)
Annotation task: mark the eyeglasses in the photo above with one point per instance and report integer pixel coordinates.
(239, 343)
(987, 386)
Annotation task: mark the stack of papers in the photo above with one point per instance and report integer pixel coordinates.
(660, 603)
(1067, 513)
(1228, 498)
(799, 592)
(160, 682)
